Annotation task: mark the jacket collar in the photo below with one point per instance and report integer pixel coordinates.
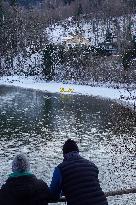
(19, 174)
(71, 155)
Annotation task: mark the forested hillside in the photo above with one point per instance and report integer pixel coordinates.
(86, 6)
(25, 33)
(26, 3)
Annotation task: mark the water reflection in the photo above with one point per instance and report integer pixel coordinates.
(39, 123)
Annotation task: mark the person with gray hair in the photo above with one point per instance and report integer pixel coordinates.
(22, 187)
(20, 164)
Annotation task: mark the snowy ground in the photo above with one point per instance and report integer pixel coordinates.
(119, 95)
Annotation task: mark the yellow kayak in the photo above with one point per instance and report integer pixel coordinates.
(68, 90)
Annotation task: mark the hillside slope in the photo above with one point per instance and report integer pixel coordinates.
(94, 29)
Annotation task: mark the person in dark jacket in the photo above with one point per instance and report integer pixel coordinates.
(77, 179)
(22, 187)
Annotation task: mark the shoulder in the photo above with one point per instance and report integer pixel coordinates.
(6, 185)
(42, 184)
(89, 164)
(41, 187)
(93, 166)
(62, 164)
(5, 195)
(40, 181)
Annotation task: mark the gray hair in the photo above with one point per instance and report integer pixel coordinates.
(20, 163)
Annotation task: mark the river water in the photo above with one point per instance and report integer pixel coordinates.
(38, 124)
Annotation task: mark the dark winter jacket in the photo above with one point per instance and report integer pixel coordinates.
(24, 190)
(80, 183)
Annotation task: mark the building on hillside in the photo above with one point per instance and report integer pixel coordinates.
(109, 44)
(76, 40)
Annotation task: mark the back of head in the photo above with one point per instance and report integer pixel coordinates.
(70, 146)
(20, 163)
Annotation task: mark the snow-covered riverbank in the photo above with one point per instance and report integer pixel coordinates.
(120, 95)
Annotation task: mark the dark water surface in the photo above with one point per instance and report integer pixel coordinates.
(38, 123)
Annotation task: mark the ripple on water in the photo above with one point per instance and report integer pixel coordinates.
(38, 124)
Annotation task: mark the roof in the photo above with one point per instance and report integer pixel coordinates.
(76, 39)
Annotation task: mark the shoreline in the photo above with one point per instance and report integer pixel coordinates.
(119, 95)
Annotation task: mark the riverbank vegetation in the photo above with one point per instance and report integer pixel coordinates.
(83, 65)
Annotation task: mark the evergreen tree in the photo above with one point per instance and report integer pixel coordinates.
(134, 41)
(128, 33)
(68, 1)
(80, 10)
(13, 2)
(48, 62)
(109, 37)
(2, 31)
(61, 54)
(1, 12)
(128, 57)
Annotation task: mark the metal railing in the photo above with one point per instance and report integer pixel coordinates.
(107, 194)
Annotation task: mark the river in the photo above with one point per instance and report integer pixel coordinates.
(38, 123)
